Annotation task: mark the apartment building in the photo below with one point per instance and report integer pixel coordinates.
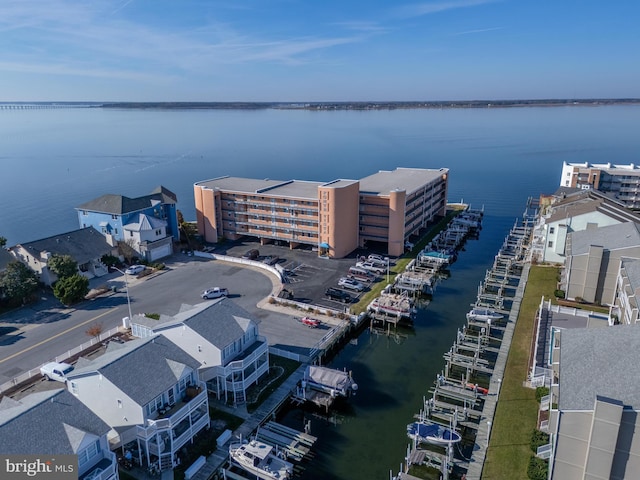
(623, 181)
(336, 217)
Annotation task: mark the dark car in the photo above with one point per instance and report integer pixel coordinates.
(337, 294)
(252, 254)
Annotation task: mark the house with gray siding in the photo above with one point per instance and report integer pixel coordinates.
(52, 423)
(593, 261)
(626, 307)
(149, 224)
(577, 211)
(86, 246)
(222, 337)
(594, 421)
(149, 393)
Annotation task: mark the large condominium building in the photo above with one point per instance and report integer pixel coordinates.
(623, 181)
(385, 208)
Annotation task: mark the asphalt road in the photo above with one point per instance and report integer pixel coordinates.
(34, 335)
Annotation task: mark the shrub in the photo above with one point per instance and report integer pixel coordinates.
(541, 392)
(271, 300)
(559, 293)
(538, 439)
(153, 316)
(537, 469)
(70, 290)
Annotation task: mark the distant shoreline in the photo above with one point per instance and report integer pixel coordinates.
(324, 106)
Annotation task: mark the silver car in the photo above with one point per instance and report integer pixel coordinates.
(351, 284)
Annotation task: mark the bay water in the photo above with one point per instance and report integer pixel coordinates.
(54, 160)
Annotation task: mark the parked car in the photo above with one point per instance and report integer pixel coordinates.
(376, 258)
(271, 259)
(56, 371)
(215, 292)
(134, 269)
(351, 284)
(252, 254)
(362, 274)
(337, 294)
(372, 267)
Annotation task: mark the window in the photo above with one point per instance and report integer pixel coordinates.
(130, 233)
(88, 453)
(119, 403)
(74, 388)
(114, 217)
(550, 244)
(116, 231)
(552, 229)
(85, 213)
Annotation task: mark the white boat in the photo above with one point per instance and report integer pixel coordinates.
(483, 314)
(433, 433)
(393, 304)
(336, 383)
(258, 459)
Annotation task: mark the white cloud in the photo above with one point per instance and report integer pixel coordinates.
(420, 9)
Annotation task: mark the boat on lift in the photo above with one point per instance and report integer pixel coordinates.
(259, 459)
(480, 314)
(430, 432)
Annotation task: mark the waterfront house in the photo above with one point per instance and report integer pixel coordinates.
(86, 246)
(149, 224)
(576, 211)
(593, 260)
(626, 307)
(594, 422)
(222, 337)
(149, 393)
(53, 423)
(383, 211)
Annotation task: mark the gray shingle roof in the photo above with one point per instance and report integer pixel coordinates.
(221, 322)
(51, 422)
(144, 223)
(599, 361)
(119, 204)
(82, 245)
(632, 268)
(612, 237)
(142, 369)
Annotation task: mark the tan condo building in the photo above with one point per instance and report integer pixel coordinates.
(385, 208)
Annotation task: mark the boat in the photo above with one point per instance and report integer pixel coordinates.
(394, 305)
(309, 322)
(433, 433)
(259, 459)
(336, 383)
(483, 314)
(477, 389)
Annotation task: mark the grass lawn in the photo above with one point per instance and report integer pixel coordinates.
(517, 410)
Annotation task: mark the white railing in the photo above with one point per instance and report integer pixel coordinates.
(287, 354)
(545, 403)
(242, 261)
(60, 358)
(544, 451)
(544, 426)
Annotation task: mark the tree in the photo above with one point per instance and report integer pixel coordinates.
(94, 330)
(3, 242)
(71, 289)
(126, 248)
(18, 281)
(63, 265)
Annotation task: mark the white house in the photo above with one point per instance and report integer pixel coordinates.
(149, 393)
(222, 337)
(54, 423)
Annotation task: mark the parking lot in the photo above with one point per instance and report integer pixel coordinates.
(308, 276)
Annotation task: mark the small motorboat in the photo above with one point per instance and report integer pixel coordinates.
(477, 389)
(433, 433)
(479, 314)
(259, 459)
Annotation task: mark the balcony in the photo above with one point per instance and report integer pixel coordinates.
(105, 469)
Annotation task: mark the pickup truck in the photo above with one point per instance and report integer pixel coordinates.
(215, 292)
(371, 267)
(56, 371)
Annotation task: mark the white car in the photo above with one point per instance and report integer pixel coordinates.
(215, 292)
(134, 269)
(371, 267)
(56, 371)
(376, 258)
(351, 284)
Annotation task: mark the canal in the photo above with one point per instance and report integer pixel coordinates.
(366, 437)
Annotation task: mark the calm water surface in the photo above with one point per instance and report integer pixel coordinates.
(54, 160)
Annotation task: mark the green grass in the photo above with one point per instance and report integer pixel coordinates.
(517, 410)
(288, 367)
(401, 264)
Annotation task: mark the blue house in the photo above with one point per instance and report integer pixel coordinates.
(149, 224)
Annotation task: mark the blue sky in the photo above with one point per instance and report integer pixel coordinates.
(323, 50)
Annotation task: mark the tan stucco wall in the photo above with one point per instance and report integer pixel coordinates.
(341, 214)
(205, 201)
(397, 201)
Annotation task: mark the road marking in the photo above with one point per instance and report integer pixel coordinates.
(55, 336)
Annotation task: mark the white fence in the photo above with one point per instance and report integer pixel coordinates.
(241, 261)
(60, 358)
